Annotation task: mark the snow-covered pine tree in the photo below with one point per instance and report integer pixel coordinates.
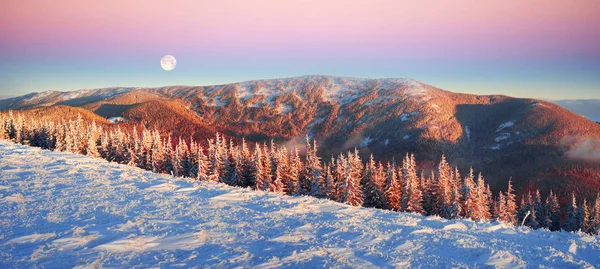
(261, 182)
(481, 201)
(349, 187)
(283, 164)
(187, 163)
(372, 192)
(202, 165)
(332, 179)
(266, 167)
(3, 123)
(92, 141)
(583, 217)
(490, 198)
(132, 160)
(277, 185)
(312, 180)
(542, 213)
(554, 211)
(457, 197)
(330, 183)
(572, 223)
(60, 144)
(293, 187)
(393, 189)
(500, 208)
(595, 217)
(511, 204)
(178, 160)
(530, 205)
(117, 146)
(231, 174)
(215, 168)
(412, 197)
(468, 193)
(442, 188)
(157, 162)
(247, 168)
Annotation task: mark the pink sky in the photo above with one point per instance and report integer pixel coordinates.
(447, 32)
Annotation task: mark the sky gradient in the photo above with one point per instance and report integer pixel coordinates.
(527, 48)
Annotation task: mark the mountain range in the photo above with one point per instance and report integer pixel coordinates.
(590, 108)
(537, 143)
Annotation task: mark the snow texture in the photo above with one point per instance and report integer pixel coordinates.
(468, 132)
(75, 211)
(366, 142)
(502, 136)
(505, 125)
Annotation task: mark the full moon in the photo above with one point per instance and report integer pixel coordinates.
(168, 62)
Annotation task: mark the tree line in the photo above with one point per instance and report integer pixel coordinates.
(345, 178)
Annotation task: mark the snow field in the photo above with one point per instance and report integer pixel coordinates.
(59, 210)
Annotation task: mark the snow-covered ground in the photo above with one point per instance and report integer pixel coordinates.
(59, 210)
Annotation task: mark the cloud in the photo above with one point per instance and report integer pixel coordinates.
(586, 149)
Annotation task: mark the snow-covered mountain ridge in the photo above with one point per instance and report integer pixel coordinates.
(59, 210)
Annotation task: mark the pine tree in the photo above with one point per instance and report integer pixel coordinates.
(294, 174)
(468, 193)
(500, 208)
(312, 175)
(266, 168)
(232, 173)
(278, 186)
(202, 165)
(595, 217)
(412, 198)
(542, 212)
(92, 141)
(261, 182)
(530, 206)
(60, 134)
(158, 154)
(349, 187)
(247, 168)
(443, 190)
(430, 194)
(511, 204)
(583, 217)
(393, 189)
(554, 209)
(371, 186)
(215, 157)
(571, 223)
(482, 209)
(330, 183)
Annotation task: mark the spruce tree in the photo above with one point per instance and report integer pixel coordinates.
(542, 212)
(554, 209)
(511, 204)
(571, 223)
(595, 217)
(583, 217)
(294, 174)
(350, 189)
(313, 182)
(393, 189)
(372, 192)
(202, 164)
(260, 181)
(468, 193)
(412, 198)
